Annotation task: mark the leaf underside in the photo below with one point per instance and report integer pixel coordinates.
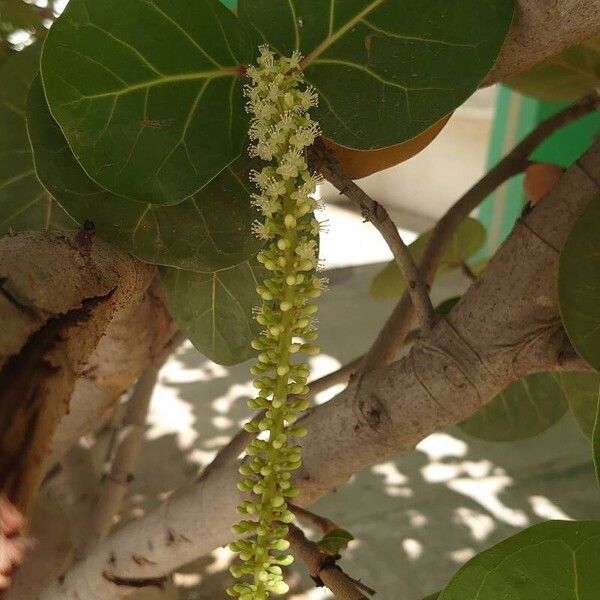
(468, 239)
(570, 75)
(524, 409)
(215, 309)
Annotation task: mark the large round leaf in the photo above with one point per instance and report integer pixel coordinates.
(468, 239)
(385, 70)
(24, 204)
(557, 560)
(567, 76)
(526, 408)
(214, 310)
(148, 92)
(209, 231)
(579, 284)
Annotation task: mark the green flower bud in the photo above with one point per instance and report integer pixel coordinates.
(277, 501)
(280, 588)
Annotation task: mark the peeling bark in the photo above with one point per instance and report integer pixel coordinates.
(47, 338)
(136, 336)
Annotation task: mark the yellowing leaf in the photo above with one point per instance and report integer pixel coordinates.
(361, 163)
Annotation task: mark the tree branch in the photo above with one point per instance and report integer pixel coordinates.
(129, 443)
(322, 567)
(396, 328)
(544, 28)
(238, 443)
(322, 160)
(506, 326)
(114, 484)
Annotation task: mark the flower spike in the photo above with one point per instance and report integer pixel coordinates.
(281, 130)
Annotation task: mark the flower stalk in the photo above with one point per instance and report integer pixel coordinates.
(280, 132)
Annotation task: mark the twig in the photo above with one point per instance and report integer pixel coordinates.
(395, 330)
(417, 287)
(324, 569)
(323, 523)
(127, 449)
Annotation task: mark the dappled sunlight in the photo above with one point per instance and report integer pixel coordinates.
(480, 524)
(546, 509)
(416, 519)
(412, 548)
(486, 492)
(169, 414)
(442, 445)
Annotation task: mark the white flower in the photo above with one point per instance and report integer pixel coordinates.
(262, 230)
(307, 250)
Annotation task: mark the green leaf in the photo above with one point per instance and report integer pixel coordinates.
(385, 70)
(215, 309)
(469, 238)
(433, 596)
(524, 409)
(209, 231)
(583, 396)
(582, 390)
(24, 204)
(579, 284)
(556, 560)
(148, 92)
(568, 76)
(335, 541)
(596, 440)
